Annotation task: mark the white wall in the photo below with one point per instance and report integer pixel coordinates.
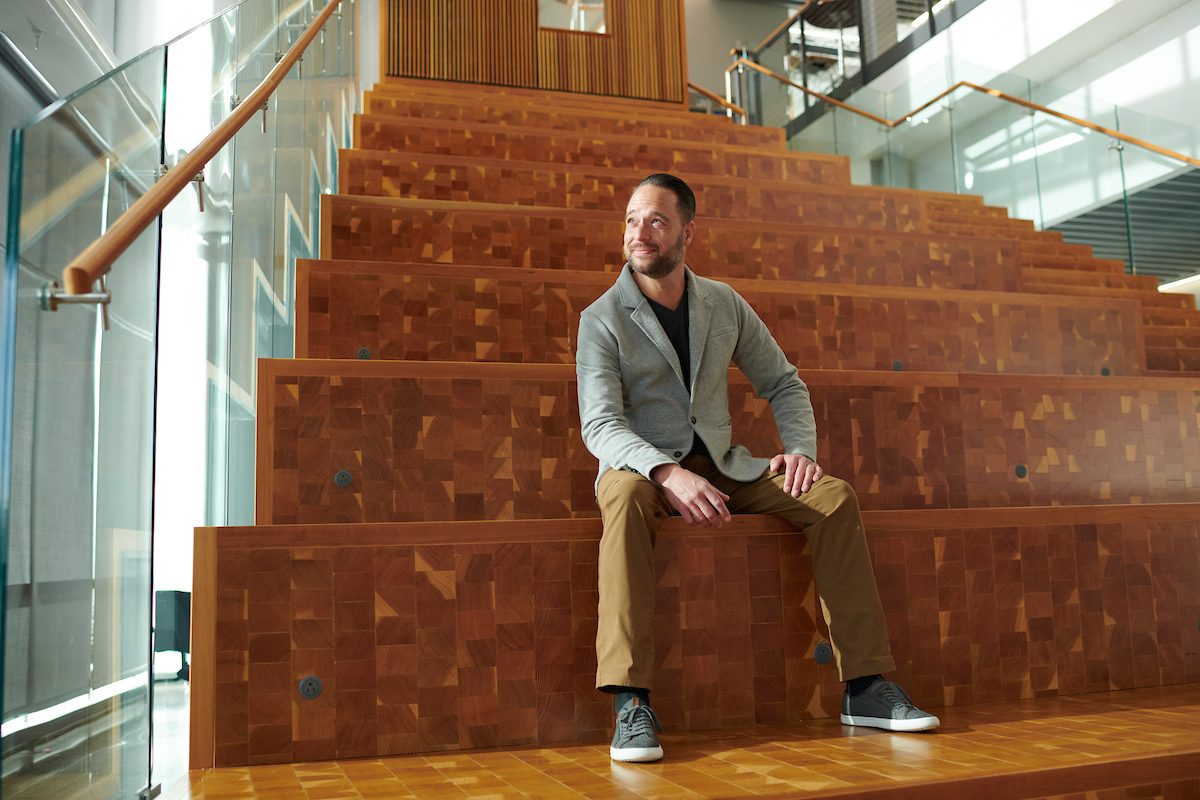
(716, 26)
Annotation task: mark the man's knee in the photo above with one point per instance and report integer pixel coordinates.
(837, 495)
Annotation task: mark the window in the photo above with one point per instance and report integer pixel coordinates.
(573, 15)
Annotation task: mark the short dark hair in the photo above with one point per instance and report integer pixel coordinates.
(683, 193)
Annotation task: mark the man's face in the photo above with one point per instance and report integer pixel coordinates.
(655, 233)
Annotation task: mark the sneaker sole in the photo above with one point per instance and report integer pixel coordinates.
(635, 754)
(899, 725)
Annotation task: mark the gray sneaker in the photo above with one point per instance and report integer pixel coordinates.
(885, 705)
(636, 736)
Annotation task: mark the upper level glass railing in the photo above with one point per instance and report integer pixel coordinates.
(135, 410)
(832, 47)
(1103, 176)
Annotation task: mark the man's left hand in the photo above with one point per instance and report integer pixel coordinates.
(800, 473)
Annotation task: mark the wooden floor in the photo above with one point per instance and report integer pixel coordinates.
(1134, 743)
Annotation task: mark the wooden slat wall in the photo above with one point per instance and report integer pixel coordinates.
(499, 41)
(478, 41)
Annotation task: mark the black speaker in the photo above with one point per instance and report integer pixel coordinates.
(173, 625)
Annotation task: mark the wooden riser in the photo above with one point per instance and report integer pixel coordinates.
(431, 638)
(1172, 336)
(397, 230)
(655, 125)
(463, 313)
(619, 152)
(428, 441)
(1184, 317)
(540, 185)
(1173, 358)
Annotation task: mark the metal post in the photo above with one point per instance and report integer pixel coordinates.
(804, 62)
(1117, 145)
(841, 55)
(758, 104)
(862, 43)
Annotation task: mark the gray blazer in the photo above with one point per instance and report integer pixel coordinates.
(634, 404)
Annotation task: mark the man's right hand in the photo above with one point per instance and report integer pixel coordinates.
(696, 500)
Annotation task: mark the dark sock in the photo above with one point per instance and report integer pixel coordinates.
(856, 686)
(623, 694)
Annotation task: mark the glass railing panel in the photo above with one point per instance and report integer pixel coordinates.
(194, 288)
(1119, 198)
(81, 410)
(995, 149)
(920, 153)
(825, 48)
(866, 142)
(1080, 170)
(769, 97)
(820, 135)
(279, 177)
(1163, 196)
(233, 354)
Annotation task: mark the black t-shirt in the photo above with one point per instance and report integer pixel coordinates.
(675, 325)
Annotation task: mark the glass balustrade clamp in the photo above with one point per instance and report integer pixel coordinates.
(52, 295)
(198, 180)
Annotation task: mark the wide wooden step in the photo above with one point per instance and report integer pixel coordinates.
(467, 179)
(1080, 251)
(1122, 745)
(537, 183)
(426, 231)
(952, 206)
(654, 125)
(424, 441)
(1075, 277)
(476, 92)
(367, 309)
(966, 228)
(1148, 298)
(432, 637)
(601, 150)
(1072, 263)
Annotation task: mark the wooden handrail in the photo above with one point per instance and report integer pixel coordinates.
(1083, 123)
(717, 98)
(97, 259)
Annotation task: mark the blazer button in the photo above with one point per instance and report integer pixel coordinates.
(679, 454)
(693, 420)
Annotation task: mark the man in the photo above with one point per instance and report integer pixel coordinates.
(653, 360)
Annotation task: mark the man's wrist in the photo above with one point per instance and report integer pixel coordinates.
(662, 472)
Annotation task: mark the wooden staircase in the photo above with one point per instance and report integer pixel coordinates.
(1018, 418)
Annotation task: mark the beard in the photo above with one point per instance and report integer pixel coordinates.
(661, 265)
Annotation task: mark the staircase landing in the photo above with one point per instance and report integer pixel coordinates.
(1132, 743)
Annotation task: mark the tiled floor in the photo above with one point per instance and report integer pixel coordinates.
(1106, 741)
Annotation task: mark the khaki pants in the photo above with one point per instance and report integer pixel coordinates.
(633, 507)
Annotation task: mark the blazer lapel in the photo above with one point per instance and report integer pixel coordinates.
(699, 314)
(641, 314)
